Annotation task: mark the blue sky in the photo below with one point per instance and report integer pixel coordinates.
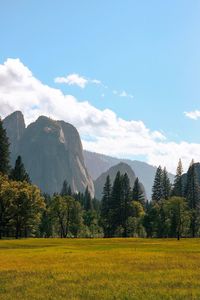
(149, 49)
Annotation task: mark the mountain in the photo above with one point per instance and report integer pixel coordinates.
(98, 163)
(123, 168)
(15, 128)
(51, 152)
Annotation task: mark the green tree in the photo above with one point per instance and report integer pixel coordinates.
(138, 193)
(66, 212)
(5, 202)
(178, 182)
(178, 215)
(125, 202)
(19, 173)
(66, 189)
(135, 220)
(4, 151)
(193, 198)
(157, 191)
(25, 209)
(105, 208)
(151, 219)
(166, 185)
(115, 207)
(88, 204)
(46, 223)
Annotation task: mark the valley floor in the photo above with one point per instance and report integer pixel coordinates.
(98, 269)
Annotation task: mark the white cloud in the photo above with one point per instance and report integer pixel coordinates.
(101, 130)
(95, 81)
(76, 79)
(72, 79)
(193, 114)
(123, 94)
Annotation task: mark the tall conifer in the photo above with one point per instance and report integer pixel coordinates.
(105, 207)
(193, 198)
(157, 186)
(166, 185)
(138, 192)
(4, 150)
(178, 182)
(19, 173)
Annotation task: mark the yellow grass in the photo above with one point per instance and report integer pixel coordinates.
(95, 269)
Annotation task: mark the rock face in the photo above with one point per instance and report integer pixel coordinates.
(123, 168)
(52, 152)
(15, 128)
(98, 163)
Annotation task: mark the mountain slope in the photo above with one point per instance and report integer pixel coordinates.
(51, 152)
(123, 168)
(98, 163)
(15, 128)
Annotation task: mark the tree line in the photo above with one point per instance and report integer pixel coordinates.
(174, 210)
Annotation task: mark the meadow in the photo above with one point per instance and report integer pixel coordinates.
(99, 269)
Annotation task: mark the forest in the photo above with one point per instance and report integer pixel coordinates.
(123, 211)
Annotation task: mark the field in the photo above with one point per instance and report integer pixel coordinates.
(99, 269)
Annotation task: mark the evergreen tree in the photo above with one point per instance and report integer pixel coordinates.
(66, 189)
(125, 202)
(19, 173)
(69, 191)
(193, 198)
(4, 150)
(88, 205)
(178, 182)
(138, 193)
(157, 192)
(46, 224)
(115, 209)
(166, 185)
(150, 219)
(105, 207)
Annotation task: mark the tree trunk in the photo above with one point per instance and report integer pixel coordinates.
(17, 231)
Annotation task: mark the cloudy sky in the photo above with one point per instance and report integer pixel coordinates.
(125, 73)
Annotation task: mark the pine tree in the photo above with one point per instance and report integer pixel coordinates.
(69, 191)
(4, 150)
(166, 185)
(88, 205)
(157, 186)
(178, 182)
(64, 190)
(125, 202)
(105, 207)
(19, 173)
(193, 198)
(138, 192)
(116, 199)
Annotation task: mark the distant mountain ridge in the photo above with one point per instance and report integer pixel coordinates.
(99, 163)
(51, 151)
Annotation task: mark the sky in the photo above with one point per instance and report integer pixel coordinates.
(125, 73)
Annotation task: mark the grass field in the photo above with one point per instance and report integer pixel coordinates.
(99, 269)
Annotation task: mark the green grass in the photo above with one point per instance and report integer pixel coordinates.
(99, 269)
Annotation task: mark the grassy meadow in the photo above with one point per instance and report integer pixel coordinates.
(99, 269)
